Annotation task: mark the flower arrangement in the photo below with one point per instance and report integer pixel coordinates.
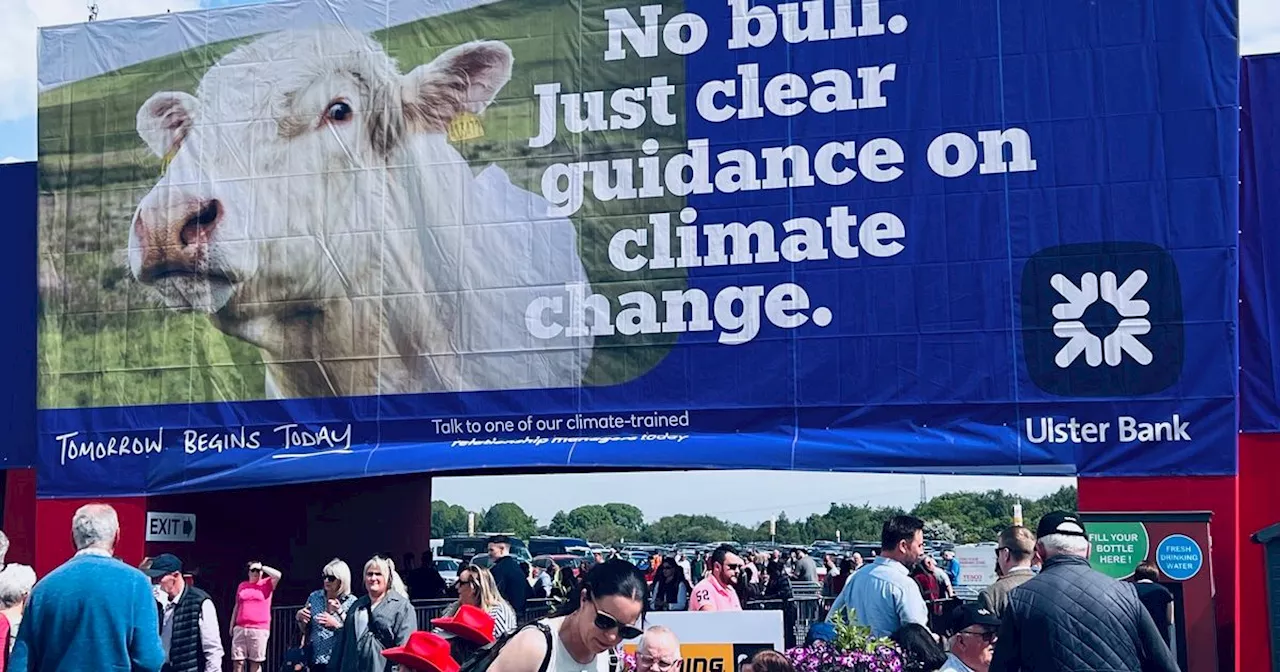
(853, 649)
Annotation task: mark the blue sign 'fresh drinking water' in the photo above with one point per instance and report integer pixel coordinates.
(1179, 557)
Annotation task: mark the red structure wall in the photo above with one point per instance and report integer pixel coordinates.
(298, 529)
(1186, 493)
(20, 515)
(1259, 508)
(53, 530)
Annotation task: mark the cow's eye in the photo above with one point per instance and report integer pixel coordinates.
(338, 111)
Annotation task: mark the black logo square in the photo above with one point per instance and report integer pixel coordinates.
(1102, 319)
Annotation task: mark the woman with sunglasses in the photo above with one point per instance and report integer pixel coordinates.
(585, 633)
(477, 588)
(381, 619)
(251, 618)
(671, 589)
(322, 618)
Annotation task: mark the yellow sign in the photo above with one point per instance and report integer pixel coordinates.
(465, 126)
(725, 657)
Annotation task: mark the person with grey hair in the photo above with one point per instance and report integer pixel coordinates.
(658, 650)
(15, 584)
(92, 613)
(4, 547)
(1072, 618)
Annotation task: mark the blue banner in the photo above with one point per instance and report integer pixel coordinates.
(928, 236)
(1260, 242)
(18, 332)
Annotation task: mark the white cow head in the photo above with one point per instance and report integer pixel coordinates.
(285, 165)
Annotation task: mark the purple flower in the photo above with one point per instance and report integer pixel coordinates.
(823, 657)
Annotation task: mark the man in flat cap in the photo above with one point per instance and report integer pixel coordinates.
(1070, 618)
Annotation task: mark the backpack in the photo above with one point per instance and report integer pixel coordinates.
(485, 657)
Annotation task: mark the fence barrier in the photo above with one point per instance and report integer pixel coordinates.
(805, 607)
(285, 632)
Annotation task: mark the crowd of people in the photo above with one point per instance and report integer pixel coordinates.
(1063, 616)
(97, 613)
(1049, 610)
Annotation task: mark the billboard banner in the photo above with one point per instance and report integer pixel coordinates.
(318, 239)
(18, 333)
(1260, 243)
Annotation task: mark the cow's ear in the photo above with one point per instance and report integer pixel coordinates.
(163, 121)
(463, 79)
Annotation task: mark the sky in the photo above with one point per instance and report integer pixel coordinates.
(746, 497)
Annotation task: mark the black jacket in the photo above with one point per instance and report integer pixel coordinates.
(1073, 619)
(511, 582)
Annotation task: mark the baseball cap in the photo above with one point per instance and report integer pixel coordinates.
(1060, 522)
(165, 563)
(968, 615)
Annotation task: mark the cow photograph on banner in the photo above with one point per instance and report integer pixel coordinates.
(322, 238)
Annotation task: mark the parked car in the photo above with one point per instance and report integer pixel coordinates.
(565, 562)
(448, 568)
(461, 546)
(539, 545)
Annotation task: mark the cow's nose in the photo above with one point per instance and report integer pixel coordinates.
(199, 225)
(175, 229)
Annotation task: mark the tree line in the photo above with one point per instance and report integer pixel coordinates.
(961, 517)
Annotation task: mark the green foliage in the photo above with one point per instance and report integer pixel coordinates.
(704, 529)
(962, 517)
(853, 637)
(607, 534)
(106, 341)
(510, 518)
(940, 530)
(447, 519)
(626, 516)
(615, 519)
(980, 516)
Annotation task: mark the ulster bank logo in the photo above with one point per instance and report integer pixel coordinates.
(1102, 319)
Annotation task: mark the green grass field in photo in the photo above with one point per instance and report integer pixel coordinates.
(104, 341)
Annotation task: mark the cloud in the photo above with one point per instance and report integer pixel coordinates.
(1259, 26)
(18, 34)
(10, 159)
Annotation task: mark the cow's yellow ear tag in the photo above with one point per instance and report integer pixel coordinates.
(168, 158)
(465, 126)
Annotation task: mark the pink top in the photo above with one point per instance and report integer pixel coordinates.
(716, 596)
(253, 603)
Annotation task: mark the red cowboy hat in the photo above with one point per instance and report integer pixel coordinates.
(423, 651)
(470, 623)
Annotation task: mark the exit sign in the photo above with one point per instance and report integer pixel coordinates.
(171, 526)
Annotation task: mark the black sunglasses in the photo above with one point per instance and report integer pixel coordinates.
(606, 623)
(330, 577)
(987, 635)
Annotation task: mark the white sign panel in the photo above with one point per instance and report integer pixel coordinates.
(171, 526)
(977, 564)
(722, 627)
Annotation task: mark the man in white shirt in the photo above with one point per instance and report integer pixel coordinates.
(883, 596)
(189, 630)
(973, 639)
